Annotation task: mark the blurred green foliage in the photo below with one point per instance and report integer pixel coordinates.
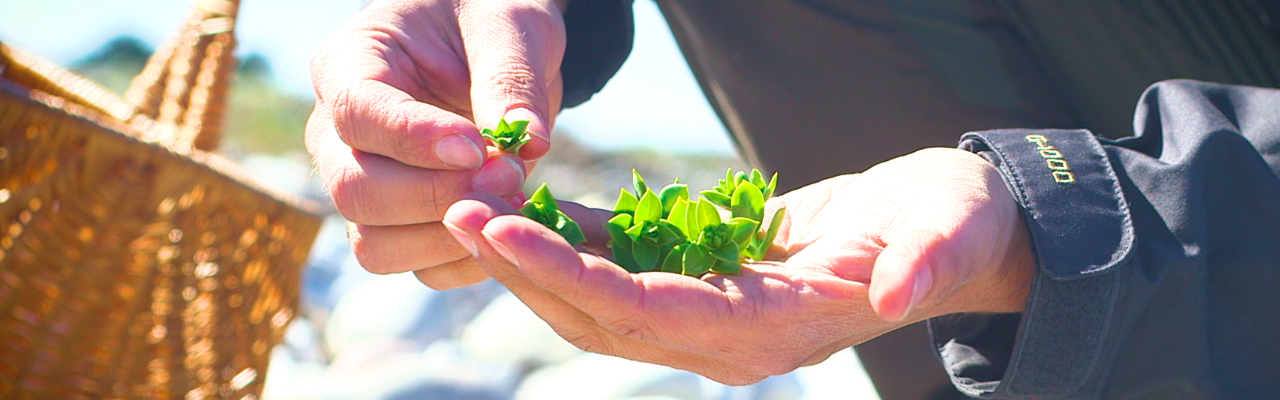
(262, 118)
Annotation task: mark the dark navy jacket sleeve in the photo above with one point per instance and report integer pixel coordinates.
(599, 37)
(1157, 256)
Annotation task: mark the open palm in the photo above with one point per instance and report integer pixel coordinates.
(843, 271)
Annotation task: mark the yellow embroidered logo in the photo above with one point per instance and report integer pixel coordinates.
(1053, 157)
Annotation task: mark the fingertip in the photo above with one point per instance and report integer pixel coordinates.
(472, 212)
(501, 175)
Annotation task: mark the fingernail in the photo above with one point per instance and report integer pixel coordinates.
(919, 288)
(458, 151)
(502, 251)
(501, 175)
(535, 123)
(462, 238)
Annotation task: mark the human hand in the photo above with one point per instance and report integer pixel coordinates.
(400, 91)
(843, 271)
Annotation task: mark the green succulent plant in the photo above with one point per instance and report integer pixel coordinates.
(666, 231)
(541, 207)
(508, 137)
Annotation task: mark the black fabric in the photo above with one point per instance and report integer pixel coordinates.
(815, 88)
(1192, 313)
(600, 34)
(1078, 221)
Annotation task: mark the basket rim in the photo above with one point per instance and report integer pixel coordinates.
(211, 161)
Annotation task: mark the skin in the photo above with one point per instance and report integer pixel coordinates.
(928, 234)
(400, 93)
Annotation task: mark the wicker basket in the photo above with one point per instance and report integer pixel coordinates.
(134, 263)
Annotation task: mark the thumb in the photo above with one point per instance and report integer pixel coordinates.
(514, 49)
(910, 271)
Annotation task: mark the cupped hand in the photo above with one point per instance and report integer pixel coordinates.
(400, 92)
(928, 234)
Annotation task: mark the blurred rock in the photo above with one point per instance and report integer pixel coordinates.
(508, 332)
(781, 387)
(598, 377)
(388, 371)
(400, 308)
(289, 378)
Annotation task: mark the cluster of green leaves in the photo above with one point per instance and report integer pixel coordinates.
(666, 231)
(542, 208)
(508, 137)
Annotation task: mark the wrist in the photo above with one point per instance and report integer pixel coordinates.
(1004, 284)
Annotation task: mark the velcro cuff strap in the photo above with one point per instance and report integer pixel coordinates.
(1076, 214)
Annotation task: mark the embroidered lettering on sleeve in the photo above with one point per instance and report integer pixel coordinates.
(1058, 166)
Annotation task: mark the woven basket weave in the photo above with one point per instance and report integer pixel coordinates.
(133, 263)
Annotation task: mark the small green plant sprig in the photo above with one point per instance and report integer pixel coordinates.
(665, 231)
(508, 137)
(542, 208)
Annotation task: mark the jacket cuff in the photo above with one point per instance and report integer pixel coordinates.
(1080, 230)
(599, 36)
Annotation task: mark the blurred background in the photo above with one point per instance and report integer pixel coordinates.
(363, 336)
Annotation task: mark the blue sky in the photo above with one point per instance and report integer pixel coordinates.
(654, 82)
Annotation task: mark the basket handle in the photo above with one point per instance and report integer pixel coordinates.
(184, 87)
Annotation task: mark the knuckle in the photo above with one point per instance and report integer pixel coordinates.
(513, 80)
(343, 112)
(350, 197)
(371, 257)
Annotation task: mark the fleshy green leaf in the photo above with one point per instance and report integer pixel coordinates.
(518, 126)
(707, 214)
(743, 229)
(543, 196)
(507, 137)
(626, 203)
(773, 184)
(649, 209)
(623, 257)
(646, 256)
(678, 215)
(761, 246)
(727, 267)
(668, 234)
(727, 252)
(747, 202)
(697, 261)
(620, 221)
(757, 178)
(674, 262)
(542, 208)
(717, 198)
(670, 194)
(636, 231)
(638, 182)
(569, 229)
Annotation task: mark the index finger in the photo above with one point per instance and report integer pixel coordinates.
(373, 110)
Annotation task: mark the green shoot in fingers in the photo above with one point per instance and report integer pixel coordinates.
(508, 137)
